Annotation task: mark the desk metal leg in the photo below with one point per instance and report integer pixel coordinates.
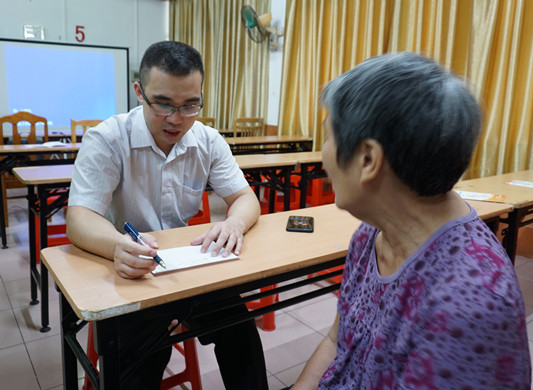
(2, 217)
(43, 212)
(70, 365)
(510, 234)
(287, 190)
(35, 277)
(303, 185)
(107, 347)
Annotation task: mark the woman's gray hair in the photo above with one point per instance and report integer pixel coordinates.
(424, 117)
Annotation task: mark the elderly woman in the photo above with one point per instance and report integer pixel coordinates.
(429, 298)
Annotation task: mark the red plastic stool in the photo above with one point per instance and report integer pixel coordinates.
(190, 374)
(279, 201)
(269, 319)
(57, 235)
(204, 215)
(333, 279)
(320, 192)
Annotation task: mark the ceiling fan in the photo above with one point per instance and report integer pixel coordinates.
(258, 27)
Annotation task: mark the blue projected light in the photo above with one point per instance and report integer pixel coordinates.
(72, 84)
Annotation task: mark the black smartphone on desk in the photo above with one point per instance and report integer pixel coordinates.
(300, 224)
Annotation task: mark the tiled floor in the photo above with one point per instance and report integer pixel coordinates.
(32, 360)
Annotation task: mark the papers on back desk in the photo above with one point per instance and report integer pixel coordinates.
(468, 195)
(520, 183)
(188, 256)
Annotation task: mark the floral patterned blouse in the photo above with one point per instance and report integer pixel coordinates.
(452, 316)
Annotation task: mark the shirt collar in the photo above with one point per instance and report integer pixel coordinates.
(142, 138)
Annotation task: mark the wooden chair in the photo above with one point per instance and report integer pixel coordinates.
(208, 121)
(18, 135)
(84, 123)
(249, 127)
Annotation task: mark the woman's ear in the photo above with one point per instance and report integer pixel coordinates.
(371, 159)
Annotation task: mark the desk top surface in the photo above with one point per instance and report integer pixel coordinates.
(95, 292)
(38, 148)
(44, 174)
(514, 195)
(249, 161)
(267, 139)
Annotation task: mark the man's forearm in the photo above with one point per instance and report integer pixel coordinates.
(245, 210)
(91, 231)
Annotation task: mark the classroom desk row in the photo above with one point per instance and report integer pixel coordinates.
(47, 181)
(90, 290)
(53, 181)
(29, 155)
(519, 196)
(39, 154)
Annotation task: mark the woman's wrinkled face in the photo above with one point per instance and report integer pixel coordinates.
(343, 179)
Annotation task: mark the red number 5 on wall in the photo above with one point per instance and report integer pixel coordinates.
(80, 35)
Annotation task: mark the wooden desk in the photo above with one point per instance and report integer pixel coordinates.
(226, 132)
(90, 290)
(308, 165)
(520, 198)
(270, 144)
(272, 171)
(43, 182)
(19, 155)
(64, 136)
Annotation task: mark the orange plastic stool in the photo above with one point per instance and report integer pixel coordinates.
(269, 319)
(320, 193)
(333, 279)
(204, 215)
(294, 202)
(190, 374)
(57, 235)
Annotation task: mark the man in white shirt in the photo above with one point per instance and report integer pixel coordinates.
(150, 167)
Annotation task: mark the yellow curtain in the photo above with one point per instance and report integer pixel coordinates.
(501, 65)
(236, 68)
(489, 42)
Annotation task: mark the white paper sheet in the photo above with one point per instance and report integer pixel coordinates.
(188, 256)
(520, 183)
(468, 195)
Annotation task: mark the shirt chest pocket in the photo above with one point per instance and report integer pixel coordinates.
(190, 202)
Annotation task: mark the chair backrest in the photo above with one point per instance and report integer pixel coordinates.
(23, 116)
(208, 121)
(84, 123)
(249, 127)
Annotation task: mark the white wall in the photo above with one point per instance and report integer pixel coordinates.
(134, 24)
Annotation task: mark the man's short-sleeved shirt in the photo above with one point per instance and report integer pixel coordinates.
(122, 174)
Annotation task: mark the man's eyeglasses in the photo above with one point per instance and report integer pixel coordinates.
(167, 109)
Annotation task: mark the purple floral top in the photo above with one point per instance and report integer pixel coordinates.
(452, 316)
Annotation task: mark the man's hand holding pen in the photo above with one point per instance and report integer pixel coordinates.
(127, 261)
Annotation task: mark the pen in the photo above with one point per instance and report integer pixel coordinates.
(137, 238)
